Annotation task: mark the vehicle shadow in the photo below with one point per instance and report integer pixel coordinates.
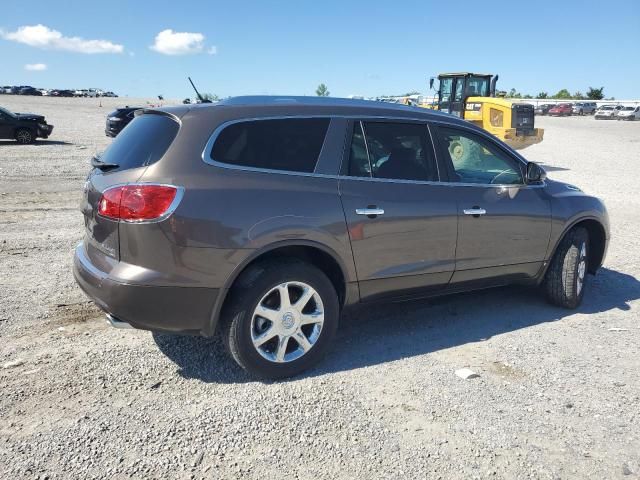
(380, 333)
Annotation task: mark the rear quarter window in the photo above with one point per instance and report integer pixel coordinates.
(143, 142)
(291, 144)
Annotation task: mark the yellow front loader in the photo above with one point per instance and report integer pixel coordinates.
(472, 96)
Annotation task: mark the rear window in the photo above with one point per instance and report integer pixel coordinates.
(143, 142)
(291, 144)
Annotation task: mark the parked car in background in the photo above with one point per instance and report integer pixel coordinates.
(109, 94)
(607, 112)
(543, 109)
(251, 218)
(629, 113)
(44, 92)
(118, 119)
(584, 108)
(23, 127)
(561, 110)
(94, 92)
(62, 93)
(30, 91)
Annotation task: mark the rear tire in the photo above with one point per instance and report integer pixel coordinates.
(256, 311)
(566, 277)
(24, 136)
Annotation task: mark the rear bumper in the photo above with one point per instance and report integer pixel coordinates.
(170, 309)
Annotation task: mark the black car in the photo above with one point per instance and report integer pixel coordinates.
(23, 127)
(118, 119)
(30, 91)
(61, 93)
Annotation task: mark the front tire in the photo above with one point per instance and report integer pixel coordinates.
(282, 317)
(566, 277)
(24, 136)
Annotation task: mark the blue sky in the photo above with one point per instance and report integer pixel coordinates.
(288, 47)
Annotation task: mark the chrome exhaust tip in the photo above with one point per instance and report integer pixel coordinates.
(116, 323)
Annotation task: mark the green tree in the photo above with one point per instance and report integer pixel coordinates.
(527, 96)
(408, 94)
(595, 93)
(513, 93)
(322, 90)
(564, 94)
(542, 95)
(212, 97)
(578, 95)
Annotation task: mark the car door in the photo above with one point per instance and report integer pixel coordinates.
(6, 126)
(402, 220)
(504, 225)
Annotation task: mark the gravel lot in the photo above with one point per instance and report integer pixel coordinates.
(558, 394)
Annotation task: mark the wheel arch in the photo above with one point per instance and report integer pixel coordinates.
(319, 255)
(597, 240)
(17, 128)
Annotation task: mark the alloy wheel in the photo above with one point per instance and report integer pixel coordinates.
(287, 322)
(582, 267)
(24, 136)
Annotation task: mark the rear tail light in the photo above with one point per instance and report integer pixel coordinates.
(139, 202)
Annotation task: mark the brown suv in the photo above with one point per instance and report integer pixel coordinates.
(263, 217)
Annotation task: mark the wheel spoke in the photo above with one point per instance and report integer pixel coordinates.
(311, 318)
(282, 348)
(264, 337)
(268, 313)
(302, 340)
(307, 294)
(285, 300)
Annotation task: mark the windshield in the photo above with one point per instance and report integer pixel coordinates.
(7, 112)
(628, 109)
(606, 107)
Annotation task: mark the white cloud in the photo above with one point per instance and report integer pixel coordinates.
(169, 42)
(35, 67)
(41, 36)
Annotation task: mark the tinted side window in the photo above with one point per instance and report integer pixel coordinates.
(400, 151)
(475, 160)
(143, 142)
(292, 144)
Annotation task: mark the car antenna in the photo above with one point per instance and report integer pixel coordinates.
(202, 100)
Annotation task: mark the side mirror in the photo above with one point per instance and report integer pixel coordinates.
(535, 173)
(431, 83)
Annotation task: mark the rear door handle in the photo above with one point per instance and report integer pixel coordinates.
(370, 211)
(475, 211)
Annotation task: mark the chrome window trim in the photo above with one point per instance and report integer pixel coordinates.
(206, 152)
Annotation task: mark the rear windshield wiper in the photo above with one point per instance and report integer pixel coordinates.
(97, 163)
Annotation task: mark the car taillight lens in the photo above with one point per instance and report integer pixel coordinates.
(137, 203)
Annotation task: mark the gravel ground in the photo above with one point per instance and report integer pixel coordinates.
(557, 397)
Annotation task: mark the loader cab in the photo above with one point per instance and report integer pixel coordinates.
(455, 88)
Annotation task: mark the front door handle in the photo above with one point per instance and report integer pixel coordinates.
(475, 211)
(370, 211)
